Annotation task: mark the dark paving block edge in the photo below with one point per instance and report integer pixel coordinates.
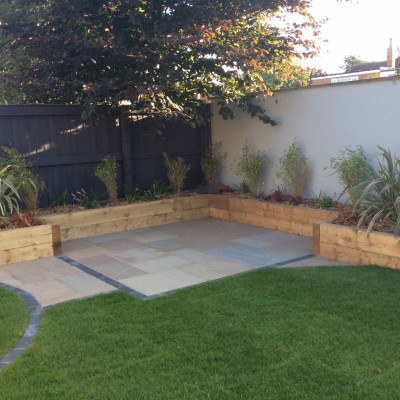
(35, 311)
(103, 278)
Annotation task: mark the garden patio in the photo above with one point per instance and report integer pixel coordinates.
(165, 208)
(156, 260)
(269, 333)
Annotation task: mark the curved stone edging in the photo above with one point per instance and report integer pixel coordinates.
(33, 325)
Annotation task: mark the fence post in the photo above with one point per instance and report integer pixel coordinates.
(126, 144)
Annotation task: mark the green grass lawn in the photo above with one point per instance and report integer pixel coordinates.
(313, 333)
(14, 315)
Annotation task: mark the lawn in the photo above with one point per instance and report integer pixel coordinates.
(14, 315)
(312, 333)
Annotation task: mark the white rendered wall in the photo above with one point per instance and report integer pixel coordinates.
(324, 119)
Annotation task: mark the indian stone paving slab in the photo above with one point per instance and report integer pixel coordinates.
(157, 260)
(51, 280)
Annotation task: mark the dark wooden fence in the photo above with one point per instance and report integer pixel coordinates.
(65, 149)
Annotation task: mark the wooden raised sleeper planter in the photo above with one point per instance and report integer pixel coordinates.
(343, 243)
(331, 241)
(29, 243)
(282, 217)
(81, 224)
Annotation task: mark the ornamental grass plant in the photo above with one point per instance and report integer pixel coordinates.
(293, 170)
(250, 167)
(211, 163)
(379, 193)
(352, 168)
(106, 171)
(177, 171)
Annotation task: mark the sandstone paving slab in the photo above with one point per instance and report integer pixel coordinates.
(215, 269)
(167, 262)
(246, 255)
(63, 283)
(111, 267)
(162, 281)
(286, 244)
(171, 244)
(149, 235)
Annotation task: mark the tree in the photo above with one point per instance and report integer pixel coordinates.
(299, 77)
(350, 62)
(164, 57)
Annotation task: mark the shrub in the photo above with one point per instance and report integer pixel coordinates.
(352, 168)
(379, 193)
(9, 195)
(61, 200)
(26, 219)
(325, 201)
(131, 193)
(27, 183)
(277, 195)
(177, 171)
(250, 166)
(88, 200)
(106, 171)
(159, 189)
(346, 215)
(293, 170)
(211, 163)
(242, 187)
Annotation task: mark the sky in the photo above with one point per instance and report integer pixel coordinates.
(360, 28)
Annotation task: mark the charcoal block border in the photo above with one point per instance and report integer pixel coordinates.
(35, 311)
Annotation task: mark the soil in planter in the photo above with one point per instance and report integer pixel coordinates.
(347, 217)
(21, 220)
(276, 197)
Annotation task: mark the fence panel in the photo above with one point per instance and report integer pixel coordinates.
(65, 149)
(175, 140)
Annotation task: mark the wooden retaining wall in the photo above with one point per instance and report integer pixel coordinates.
(343, 243)
(101, 221)
(29, 243)
(282, 217)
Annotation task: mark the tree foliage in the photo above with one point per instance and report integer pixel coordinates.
(350, 62)
(166, 57)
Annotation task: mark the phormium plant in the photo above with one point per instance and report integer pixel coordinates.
(379, 193)
(250, 167)
(26, 181)
(9, 195)
(106, 171)
(177, 171)
(293, 170)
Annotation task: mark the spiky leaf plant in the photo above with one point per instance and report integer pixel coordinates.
(380, 193)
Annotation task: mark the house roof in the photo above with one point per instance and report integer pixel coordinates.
(369, 66)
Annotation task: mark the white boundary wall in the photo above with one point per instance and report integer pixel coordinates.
(324, 119)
